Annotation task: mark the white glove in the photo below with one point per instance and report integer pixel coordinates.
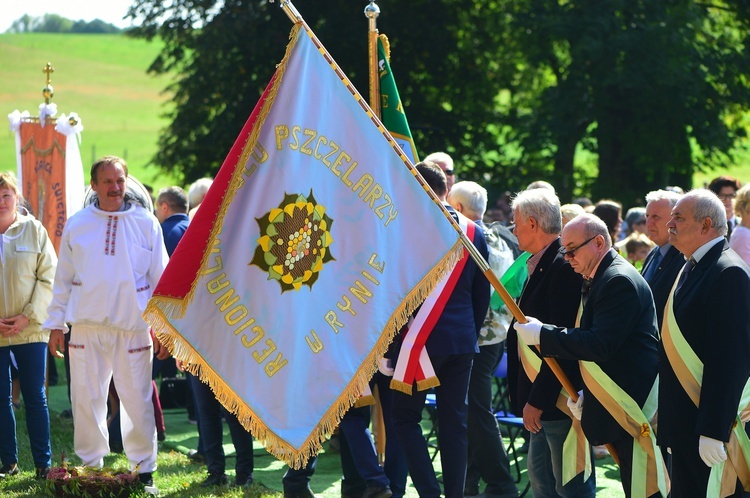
(384, 366)
(576, 407)
(711, 451)
(529, 331)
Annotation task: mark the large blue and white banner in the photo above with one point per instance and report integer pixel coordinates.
(315, 243)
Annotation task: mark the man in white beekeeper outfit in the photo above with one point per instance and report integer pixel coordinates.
(112, 255)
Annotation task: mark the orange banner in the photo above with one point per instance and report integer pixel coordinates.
(43, 176)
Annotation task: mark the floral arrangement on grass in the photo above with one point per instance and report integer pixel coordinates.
(89, 482)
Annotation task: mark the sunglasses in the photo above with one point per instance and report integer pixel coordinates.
(571, 253)
(448, 172)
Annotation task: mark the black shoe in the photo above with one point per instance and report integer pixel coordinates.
(160, 436)
(196, 457)
(41, 472)
(378, 492)
(215, 480)
(146, 479)
(305, 493)
(243, 481)
(148, 483)
(8, 470)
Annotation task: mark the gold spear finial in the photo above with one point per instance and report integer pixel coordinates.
(48, 91)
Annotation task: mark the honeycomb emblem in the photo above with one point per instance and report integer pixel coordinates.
(295, 242)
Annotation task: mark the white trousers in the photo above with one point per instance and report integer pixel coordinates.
(98, 354)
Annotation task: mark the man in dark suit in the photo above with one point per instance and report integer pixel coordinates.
(710, 313)
(617, 340)
(552, 294)
(451, 345)
(664, 262)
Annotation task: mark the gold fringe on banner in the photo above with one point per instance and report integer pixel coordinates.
(161, 308)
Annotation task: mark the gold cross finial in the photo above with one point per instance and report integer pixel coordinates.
(48, 91)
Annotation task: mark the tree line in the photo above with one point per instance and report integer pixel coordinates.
(603, 98)
(53, 23)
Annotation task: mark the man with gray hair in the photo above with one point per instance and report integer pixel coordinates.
(446, 164)
(487, 459)
(616, 344)
(663, 263)
(552, 293)
(196, 193)
(703, 363)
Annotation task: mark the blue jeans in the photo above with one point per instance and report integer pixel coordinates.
(545, 464)
(32, 368)
(209, 412)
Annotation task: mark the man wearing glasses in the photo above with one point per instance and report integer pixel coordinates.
(616, 342)
(553, 294)
(446, 164)
(725, 188)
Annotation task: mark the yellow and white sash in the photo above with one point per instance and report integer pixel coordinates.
(576, 454)
(689, 371)
(649, 471)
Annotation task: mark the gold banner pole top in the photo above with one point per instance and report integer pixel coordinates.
(290, 10)
(48, 91)
(372, 11)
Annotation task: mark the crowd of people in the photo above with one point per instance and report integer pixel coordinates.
(635, 337)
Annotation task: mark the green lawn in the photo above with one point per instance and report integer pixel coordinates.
(178, 476)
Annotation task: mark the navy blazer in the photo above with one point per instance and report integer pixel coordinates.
(173, 229)
(712, 310)
(552, 294)
(618, 331)
(662, 280)
(457, 329)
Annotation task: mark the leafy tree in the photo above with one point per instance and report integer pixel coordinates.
(513, 89)
(652, 88)
(224, 59)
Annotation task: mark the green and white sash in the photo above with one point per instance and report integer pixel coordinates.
(649, 471)
(689, 371)
(576, 454)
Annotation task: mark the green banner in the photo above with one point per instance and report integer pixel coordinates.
(391, 108)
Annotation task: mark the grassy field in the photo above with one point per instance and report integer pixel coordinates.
(178, 476)
(103, 79)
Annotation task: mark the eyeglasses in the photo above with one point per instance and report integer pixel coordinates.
(571, 253)
(724, 197)
(448, 172)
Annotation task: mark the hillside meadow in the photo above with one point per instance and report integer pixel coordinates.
(103, 79)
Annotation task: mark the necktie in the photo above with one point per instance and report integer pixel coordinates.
(730, 227)
(585, 288)
(652, 266)
(689, 265)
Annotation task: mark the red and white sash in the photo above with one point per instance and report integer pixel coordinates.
(413, 363)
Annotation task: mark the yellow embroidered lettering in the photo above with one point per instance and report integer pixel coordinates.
(314, 343)
(263, 354)
(333, 321)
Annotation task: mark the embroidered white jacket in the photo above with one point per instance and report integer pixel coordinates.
(109, 265)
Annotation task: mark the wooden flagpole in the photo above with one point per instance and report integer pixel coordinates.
(372, 11)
